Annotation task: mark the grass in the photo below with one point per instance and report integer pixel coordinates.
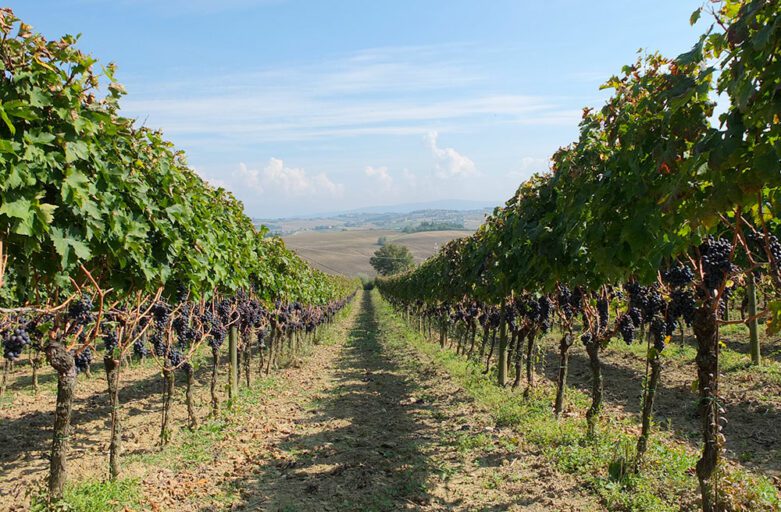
(666, 482)
(120, 494)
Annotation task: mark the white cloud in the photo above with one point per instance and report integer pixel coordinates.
(380, 91)
(276, 179)
(381, 175)
(449, 162)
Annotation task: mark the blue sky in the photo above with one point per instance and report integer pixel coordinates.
(312, 106)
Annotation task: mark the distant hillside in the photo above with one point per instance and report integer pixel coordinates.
(444, 204)
(409, 221)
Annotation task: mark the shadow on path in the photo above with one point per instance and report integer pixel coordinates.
(362, 449)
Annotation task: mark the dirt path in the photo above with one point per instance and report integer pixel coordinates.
(367, 425)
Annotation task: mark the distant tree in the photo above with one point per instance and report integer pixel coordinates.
(391, 259)
(382, 240)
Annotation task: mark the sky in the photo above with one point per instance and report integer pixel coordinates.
(308, 106)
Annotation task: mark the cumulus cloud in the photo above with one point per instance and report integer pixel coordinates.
(381, 175)
(449, 162)
(277, 179)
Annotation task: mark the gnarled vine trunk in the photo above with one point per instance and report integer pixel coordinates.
(561, 381)
(473, 336)
(530, 362)
(512, 349)
(597, 385)
(519, 357)
(706, 331)
(247, 358)
(655, 364)
(502, 346)
(168, 392)
(63, 363)
(213, 386)
(490, 352)
(111, 367)
(486, 332)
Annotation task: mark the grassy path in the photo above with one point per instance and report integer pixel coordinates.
(368, 423)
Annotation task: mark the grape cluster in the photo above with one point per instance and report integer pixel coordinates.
(658, 332)
(213, 323)
(224, 310)
(161, 312)
(546, 313)
(251, 314)
(182, 324)
(158, 343)
(758, 243)
(603, 309)
(262, 335)
(512, 318)
(494, 315)
(80, 311)
(570, 302)
(139, 349)
(82, 359)
(36, 330)
(647, 299)
(110, 340)
(716, 264)
(726, 296)
(678, 276)
(14, 342)
(636, 315)
(177, 359)
(682, 305)
(627, 328)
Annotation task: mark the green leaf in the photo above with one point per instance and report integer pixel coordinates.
(692, 56)
(39, 137)
(46, 212)
(695, 17)
(5, 118)
(19, 209)
(9, 146)
(67, 245)
(21, 110)
(39, 98)
(22, 210)
(77, 150)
